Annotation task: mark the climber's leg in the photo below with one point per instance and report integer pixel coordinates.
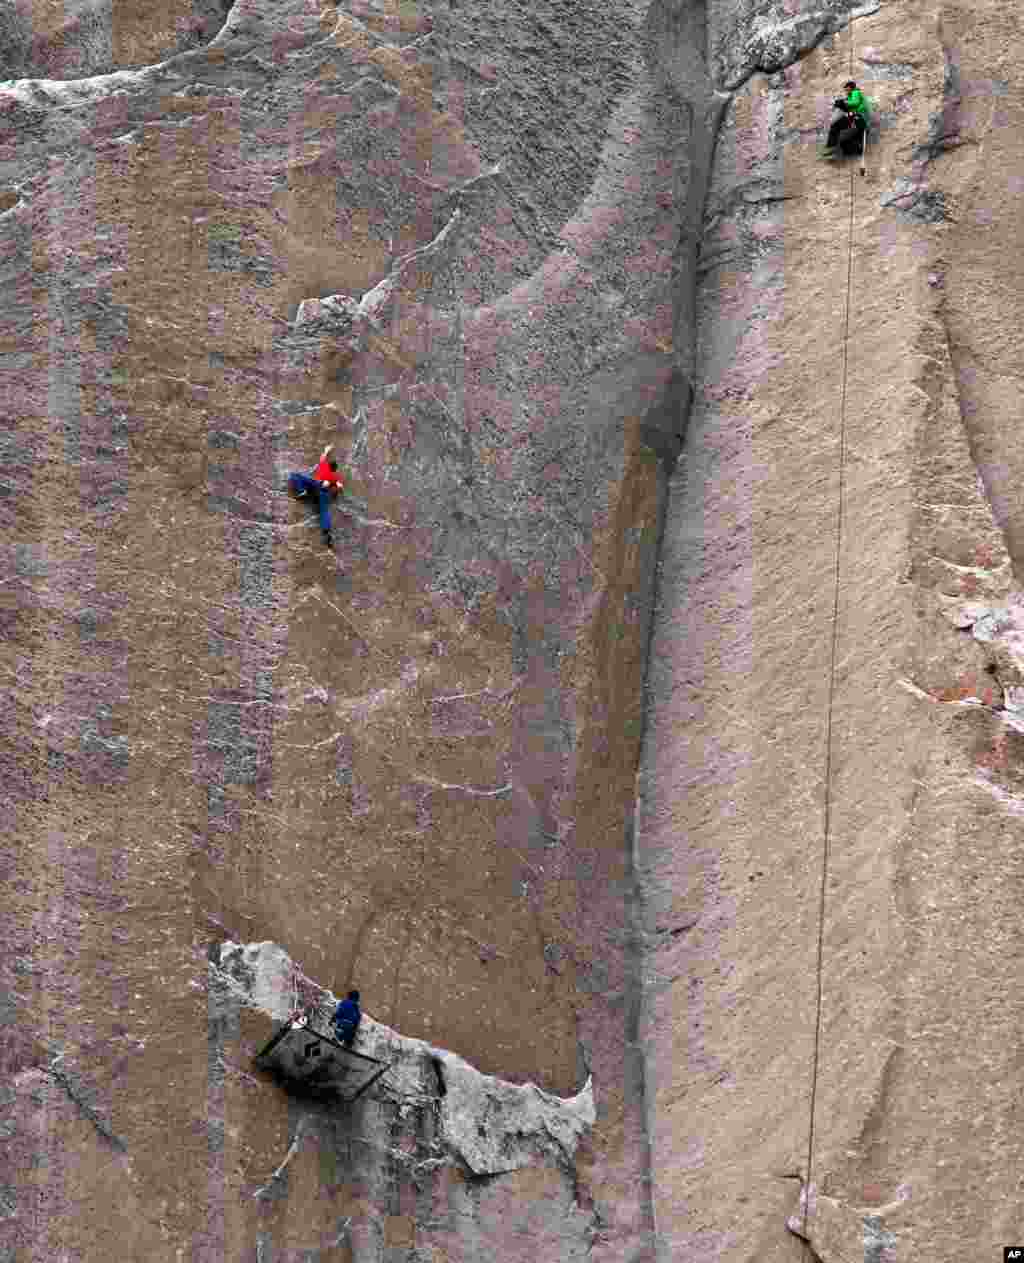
(325, 513)
(325, 509)
(851, 139)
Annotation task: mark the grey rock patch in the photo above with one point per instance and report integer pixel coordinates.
(29, 562)
(298, 407)
(224, 439)
(891, 70)
(489, 1125)
(914, 202)
(337, 313)
(766, 38)
(929, 208)
(116, 747)
(879, 1244)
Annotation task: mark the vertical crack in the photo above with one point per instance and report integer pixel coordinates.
(442, 1088)
(998, 502)
(664, 431)
(82, 1097)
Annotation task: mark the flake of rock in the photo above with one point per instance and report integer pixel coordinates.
(491, 1125)
(336, 313)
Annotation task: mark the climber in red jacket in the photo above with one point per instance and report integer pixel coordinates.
(324, 482)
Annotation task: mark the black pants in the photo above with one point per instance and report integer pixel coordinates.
(848, 133)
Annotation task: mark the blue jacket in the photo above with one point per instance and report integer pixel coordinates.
(347, 1014)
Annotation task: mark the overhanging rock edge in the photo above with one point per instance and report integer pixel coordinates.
(492, 1125)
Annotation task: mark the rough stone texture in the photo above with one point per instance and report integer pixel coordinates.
(522, 1121)
(73, 39)
(498, 255)
(916, 1146)
(476, 1163)
(443, 238)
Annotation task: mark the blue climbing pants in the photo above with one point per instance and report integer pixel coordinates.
(346, 1033)
(303, 482)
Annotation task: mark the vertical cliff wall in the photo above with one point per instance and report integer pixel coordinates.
(431, 1160)
(830, 830)
(443, 239)
(743, 873)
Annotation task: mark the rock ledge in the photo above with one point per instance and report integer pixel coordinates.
(491, 1125)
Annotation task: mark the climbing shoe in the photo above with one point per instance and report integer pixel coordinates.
(328, 542)
(829, 153)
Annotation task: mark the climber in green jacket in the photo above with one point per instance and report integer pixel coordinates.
(848, 130)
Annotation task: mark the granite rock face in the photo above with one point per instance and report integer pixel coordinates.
(485, 1162)
(442, 238)
(567, 289)
(830, 820)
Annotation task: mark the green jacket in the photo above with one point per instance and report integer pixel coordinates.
(857, 102)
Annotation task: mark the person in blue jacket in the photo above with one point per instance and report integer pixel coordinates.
(346, 1018)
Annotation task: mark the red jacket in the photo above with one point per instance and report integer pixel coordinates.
(324, 473)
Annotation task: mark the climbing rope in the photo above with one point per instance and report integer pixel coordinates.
(827, 822)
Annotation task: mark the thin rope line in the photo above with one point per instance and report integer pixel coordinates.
(827, 823)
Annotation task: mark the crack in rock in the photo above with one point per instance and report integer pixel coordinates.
(82, 1097)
